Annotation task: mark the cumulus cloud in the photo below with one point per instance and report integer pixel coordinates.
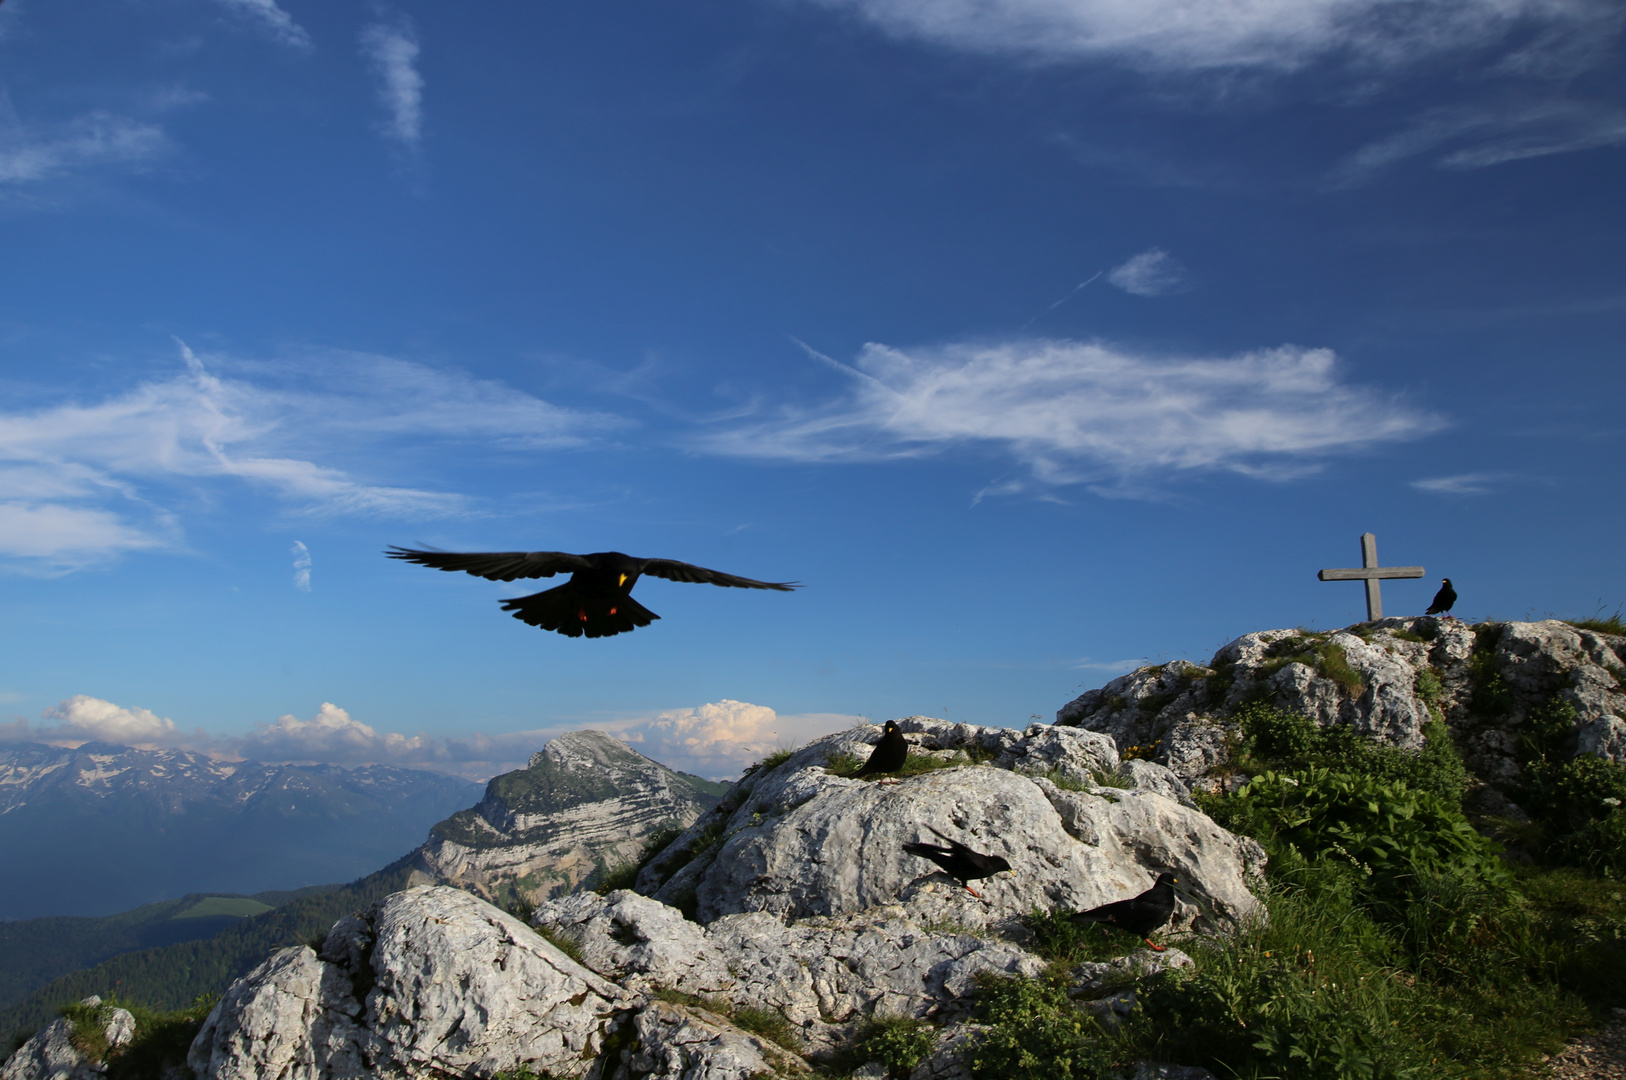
(392, 49)
(1204, 34)
(1151, 273)
(302, 566)
(1476, 138)
(719, 739)
(93, 139)
(330, 736)
(271, 20)
(83, 480)
(1086, 412)
(722, 738)
(82, 718)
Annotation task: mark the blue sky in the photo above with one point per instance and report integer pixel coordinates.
(1038, 338)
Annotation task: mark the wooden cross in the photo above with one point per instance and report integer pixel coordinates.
(1371, 573)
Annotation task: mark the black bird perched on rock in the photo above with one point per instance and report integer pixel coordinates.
(1443, 600)
(958, 861)
(889, 754)
(596, 601)
(1140, 915)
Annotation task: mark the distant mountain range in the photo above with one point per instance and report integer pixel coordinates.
(586, 804)
(104, 828)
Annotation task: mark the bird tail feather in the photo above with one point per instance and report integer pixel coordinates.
(564, 610)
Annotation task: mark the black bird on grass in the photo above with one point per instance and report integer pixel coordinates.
(958, 861)
(1140, 915)
(1443, 600)
(889, 754)
(596, 601)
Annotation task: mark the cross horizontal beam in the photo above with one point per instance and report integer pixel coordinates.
(1375, 573)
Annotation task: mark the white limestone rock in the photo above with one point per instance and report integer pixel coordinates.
(585, 803)
(673, 1042)
(1180, 713)
(820, 973)
(50, 1054)
(427, 982)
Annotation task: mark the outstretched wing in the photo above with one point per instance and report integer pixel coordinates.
(672, 570)
(496, 565)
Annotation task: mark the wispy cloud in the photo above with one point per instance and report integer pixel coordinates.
(1475, 138)
(86, 480)
(302, 566)
(270, 20)
(1203, 34)
(1151, 273)
(1087, 412)
(91, 140)
(392, 49)
(718, 739)
(1463, 484)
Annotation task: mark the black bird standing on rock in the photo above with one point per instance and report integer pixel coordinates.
(889, 754)
(596, 601)
(958, 861)
(1140, 915)
(1443, 600)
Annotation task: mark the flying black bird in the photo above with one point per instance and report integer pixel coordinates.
(596, 601)
(889, 754)
(1443, 599)
(958, 861)
(1140, 915)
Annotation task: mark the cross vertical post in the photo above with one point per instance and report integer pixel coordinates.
(1371, 573)
(1374, 591)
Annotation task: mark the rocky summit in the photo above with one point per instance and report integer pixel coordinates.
(584, 805)
(1386, 679)
(759, 940)
(792, 897)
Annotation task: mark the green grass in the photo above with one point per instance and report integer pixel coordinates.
(626, 875)
(1601, 623)
(237, 906)
(847, 765)
(158, 1046)
(560, 942)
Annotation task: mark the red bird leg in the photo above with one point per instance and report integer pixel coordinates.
(973, 892)
(1157, 948)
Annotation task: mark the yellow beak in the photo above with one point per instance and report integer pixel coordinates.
(623, 579)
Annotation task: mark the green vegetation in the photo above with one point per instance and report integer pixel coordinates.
(237, 907)
(898, 1042)
(769, 1023)
(158, 1046)
(174, 976)
(1601, 624)
(771, 762)
(560, 942)
(1398, 944)
(35, 951)
(1315, 651)
(847, 765)
(623, 877)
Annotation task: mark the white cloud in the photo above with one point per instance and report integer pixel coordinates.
(392, 48)
(1198, 34)
(722, 738)
(302, 566)
(81, 719)
(716, 740)
(83, 480)
(331, 736)
(93, 139)
(1151, 273)
(1464, 484)
(1475, 138)
(272, 21)
(1081, 412)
